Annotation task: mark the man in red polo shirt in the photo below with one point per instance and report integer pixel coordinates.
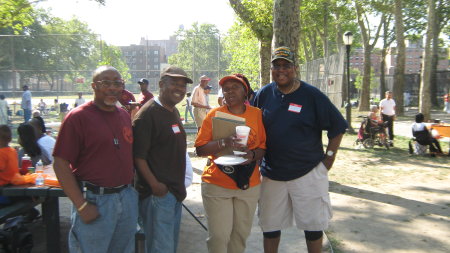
(94, 164)
(145, 95)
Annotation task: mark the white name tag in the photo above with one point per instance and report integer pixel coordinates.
(294, 108)
(176, 129)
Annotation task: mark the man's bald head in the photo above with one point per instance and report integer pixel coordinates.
(102, 69)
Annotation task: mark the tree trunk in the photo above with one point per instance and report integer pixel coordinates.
(366, 37)
(365, 89)
(434, 64)
(264, 55)
(286, 24)
(399, 74)
(424, 101)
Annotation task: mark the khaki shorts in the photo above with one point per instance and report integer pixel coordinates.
(200, 115)
(306, 199)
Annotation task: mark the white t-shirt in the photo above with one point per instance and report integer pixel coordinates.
(387, 107)
(189, 172)
(79, 101)
(418, 127)
(47, 144)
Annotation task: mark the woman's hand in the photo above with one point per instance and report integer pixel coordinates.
(249, 155)
(232, 141)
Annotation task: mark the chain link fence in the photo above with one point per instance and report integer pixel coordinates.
(327, 75)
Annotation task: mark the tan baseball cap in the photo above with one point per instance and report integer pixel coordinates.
(175, 72)
(204, 77)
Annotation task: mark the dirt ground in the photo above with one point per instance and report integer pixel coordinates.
(383, 201)
(395, 204)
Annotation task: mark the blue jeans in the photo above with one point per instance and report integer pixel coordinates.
(115, 228)
(26, 115)
(188, 109)
(161, 217)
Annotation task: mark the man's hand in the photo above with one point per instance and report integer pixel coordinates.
(89, 213)
(328, 162)
(159, 189)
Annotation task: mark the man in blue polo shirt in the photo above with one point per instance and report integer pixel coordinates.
(295, 167)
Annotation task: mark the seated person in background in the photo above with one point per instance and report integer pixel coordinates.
(423, 136)
(36, 113)
(27, 139)
(42, 106)
(9, 168)
(46, 143)
(55, 106)
(375, 122)
(8, 157)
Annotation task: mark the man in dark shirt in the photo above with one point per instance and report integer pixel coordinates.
(94, 164)
(160, 158)
(295, 167)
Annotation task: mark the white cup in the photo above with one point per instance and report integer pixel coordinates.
(242, 133)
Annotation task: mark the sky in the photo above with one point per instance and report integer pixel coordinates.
(124, 22)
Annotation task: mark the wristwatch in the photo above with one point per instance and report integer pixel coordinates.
(330, 153)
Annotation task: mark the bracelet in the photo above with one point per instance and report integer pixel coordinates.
(222, 143)
(82, 206)
(253, 158)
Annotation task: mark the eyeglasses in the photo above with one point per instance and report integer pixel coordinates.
(282, 67)
(111, 83)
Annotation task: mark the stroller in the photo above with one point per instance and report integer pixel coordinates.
(370, 134)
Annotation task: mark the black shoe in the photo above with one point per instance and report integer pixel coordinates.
(391, 144)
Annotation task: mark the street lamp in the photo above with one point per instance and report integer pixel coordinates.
(348, 39)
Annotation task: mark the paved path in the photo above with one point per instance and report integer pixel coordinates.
(193, 236)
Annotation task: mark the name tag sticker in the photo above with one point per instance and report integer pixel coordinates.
(176, 129)
(294, 108)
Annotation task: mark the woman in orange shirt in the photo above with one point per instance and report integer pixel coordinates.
(230, 199)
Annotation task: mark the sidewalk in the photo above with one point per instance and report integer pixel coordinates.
(346, 222)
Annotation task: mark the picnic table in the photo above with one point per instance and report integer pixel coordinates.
(443, 131)
(50, 209)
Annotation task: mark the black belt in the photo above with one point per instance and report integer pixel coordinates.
(102, 190)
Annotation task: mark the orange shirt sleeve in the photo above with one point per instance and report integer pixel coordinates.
(8, 165)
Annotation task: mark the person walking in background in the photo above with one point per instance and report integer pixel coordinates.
(145, 95)
(188, 108)
(387, 112)
(220, 99)
(295, 167)
(160, 158)
(80, 100)
(3, 110)
(230, 193)
(94, 164)
(208, 89)
(447, 103)
(127, 100)
(198, 101)
(26, 103)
